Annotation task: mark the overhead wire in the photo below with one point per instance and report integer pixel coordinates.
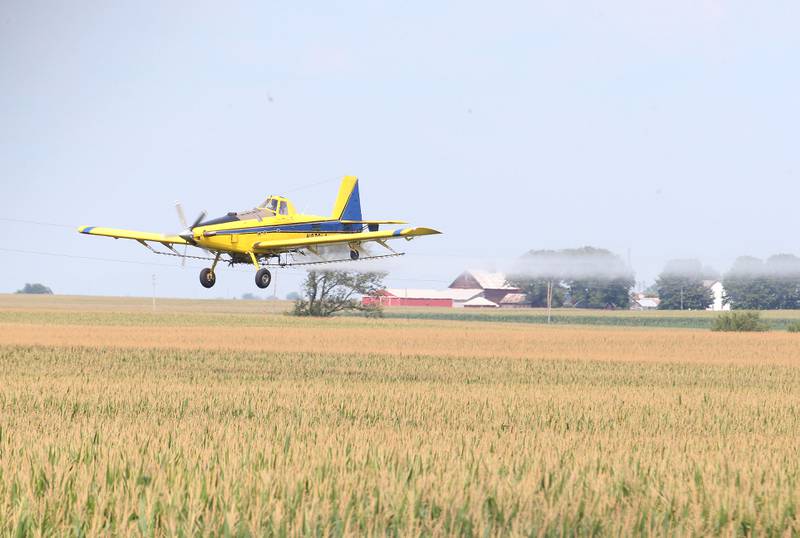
(37, 222)
(86, 258)
(154, 264)
(311, 185)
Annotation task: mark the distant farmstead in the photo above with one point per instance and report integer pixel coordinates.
(718, 290)
(472, 289)
(493, 286)
(515, 300)
(408, 297)
(480, 302)
(642, 302)
(422, 297)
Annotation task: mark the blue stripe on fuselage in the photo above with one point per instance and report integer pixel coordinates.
(304, 227)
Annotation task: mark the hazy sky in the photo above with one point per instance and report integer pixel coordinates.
(668, 129)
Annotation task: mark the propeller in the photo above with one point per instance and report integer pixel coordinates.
(198, 220)
(181, 214)
(187, 233)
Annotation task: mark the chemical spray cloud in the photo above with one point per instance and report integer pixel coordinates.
(779, 265)
(689, 268)
(571, 264)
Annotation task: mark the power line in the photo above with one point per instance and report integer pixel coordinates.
(310, 185)
(87, 258)
(153, 264)
(40, 223)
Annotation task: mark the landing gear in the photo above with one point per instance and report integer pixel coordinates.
(263, 278)
(207, 278)
(354, 254)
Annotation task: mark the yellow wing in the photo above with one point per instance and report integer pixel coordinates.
(132, 234)
(341, 239)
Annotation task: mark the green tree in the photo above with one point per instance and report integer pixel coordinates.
(535, 289)
(601, 292)
(585, 277)
(783, 274)
(535, 272)
(752, 284)
(35, 289)
(598, 278)
(328, 292)
(680, 286)
(739, 322)
(744, 286)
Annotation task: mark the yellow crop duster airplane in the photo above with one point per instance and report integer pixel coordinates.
(274, 230)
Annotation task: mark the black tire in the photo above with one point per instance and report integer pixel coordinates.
(207, 278)
(354, 254)
(263, 278)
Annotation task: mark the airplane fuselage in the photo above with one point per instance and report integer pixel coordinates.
(241, 235)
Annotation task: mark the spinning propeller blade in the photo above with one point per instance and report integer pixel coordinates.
(198, 220)
(187, 233)
(181, 214)
(182, 217)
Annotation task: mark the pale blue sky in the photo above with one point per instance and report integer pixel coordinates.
(670, 129)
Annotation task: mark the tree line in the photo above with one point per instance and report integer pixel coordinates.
(750, 284)
(591, 277)
(586, 277)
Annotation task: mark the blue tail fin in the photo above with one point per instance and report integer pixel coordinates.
(348, 202)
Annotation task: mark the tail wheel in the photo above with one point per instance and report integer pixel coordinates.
(354, 254)
(263, 278)
(207, 278)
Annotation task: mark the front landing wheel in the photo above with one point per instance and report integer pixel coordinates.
(207, 278)
(263, 278)
(354, 254)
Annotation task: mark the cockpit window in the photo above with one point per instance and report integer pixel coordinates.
(271, 204)
(283, 210)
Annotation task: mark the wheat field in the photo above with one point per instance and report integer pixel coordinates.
(230, 418)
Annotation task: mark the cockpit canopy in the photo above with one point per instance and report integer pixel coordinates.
(278, 205)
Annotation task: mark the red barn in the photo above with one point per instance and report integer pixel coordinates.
(410, 297)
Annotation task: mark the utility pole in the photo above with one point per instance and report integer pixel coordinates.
(681, 297)
(154, 293)
(549, 299)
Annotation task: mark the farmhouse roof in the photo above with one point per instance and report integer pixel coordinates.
(514, 298)
(480, 301)
(484, 279)
(648, 302)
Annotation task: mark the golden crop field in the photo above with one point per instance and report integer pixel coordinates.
(231, 418)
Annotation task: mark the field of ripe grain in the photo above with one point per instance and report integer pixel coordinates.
(685, 319)
(223, 418)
